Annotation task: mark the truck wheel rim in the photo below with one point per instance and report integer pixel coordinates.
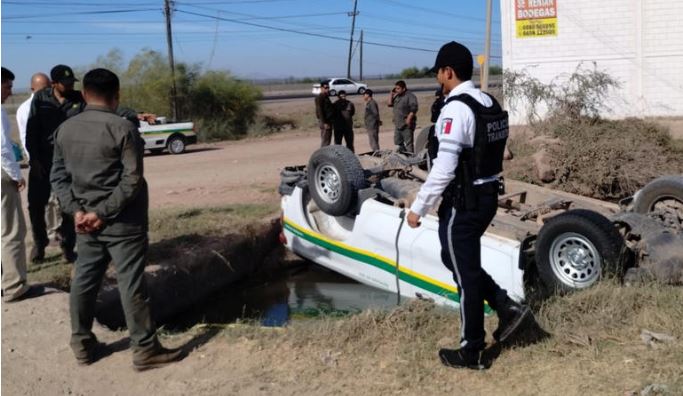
(574, 260)
(177, 145)
(328, 183)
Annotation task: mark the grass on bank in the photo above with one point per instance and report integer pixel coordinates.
(165, 224)
(596, 348)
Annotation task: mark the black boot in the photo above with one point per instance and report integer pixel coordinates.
(464, 358)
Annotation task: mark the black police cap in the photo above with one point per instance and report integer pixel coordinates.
(457, 56)
(63, 74)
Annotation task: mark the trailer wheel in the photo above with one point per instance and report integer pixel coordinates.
(334, 177)
(664, 194)
(575, 249)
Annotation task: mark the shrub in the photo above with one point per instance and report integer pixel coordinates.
(223, 107)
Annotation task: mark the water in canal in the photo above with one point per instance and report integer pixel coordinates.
(303, 291)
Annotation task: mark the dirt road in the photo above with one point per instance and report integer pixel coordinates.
(233, 172)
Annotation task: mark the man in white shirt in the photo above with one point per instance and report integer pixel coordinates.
(14, 285)
(38, 81)
(471, 130)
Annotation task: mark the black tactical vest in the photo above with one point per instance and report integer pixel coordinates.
(491, 133)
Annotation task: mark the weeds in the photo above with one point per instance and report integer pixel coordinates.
(603, 159)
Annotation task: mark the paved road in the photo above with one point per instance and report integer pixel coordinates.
(417, 85)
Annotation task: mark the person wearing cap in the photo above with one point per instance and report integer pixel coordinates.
(372, 120)
(404, 106)
(344, 111)
(50, 107)
(14, 284)
(471, 131)
(324, 111)
(97, 175)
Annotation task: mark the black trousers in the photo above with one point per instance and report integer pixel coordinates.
(460, 234)
(343, 132)
(39, 190)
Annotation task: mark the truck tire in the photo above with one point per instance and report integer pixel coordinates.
(176, 144)
(575, 249)
(665, 190)
(334, 177)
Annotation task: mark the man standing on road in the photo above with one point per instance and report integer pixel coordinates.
(49, 108)
(98, 177)
(14, 285)
(324, 111)
(404, 104)
(472, 130)
(53, 216)
(372, 121)
(344, 111)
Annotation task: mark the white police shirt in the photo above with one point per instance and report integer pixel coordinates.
(455, 130)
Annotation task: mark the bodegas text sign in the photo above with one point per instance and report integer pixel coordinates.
(536, 18)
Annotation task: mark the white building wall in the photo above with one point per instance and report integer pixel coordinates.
(638, 42)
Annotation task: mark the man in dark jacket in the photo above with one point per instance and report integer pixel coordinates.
(50, 107)
(324, 111)
(97, 175)
(372, 121)
(344, 111)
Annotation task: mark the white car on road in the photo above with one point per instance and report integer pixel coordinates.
(341, 84)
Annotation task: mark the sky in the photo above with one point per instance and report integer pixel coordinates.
(253, 39)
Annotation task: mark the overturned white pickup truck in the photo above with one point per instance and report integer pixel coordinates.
(345, 212)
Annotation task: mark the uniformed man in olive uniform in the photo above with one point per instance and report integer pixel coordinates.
(98, 177)
(405, 107)
(344, 110)
(324, 111)
(50, 107)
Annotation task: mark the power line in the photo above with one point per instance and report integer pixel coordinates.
(305, 33)
(82, 4)
(80, 13)
(414, 7)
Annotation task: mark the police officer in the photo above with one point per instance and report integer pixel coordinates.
(344, 110)
(324, 111)
(471, 131)
(50, 107)
(97, 175)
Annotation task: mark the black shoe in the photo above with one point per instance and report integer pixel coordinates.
(69, 255)
(510, 316)
(517, 326)
(32, 292)
(38, 255)
(94, 352)
(464, 358)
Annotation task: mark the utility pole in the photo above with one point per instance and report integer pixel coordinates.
(353, 25)
(361, 55)
(169, 41)
(484, 77)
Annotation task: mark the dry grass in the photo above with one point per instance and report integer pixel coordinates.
(595, 349)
